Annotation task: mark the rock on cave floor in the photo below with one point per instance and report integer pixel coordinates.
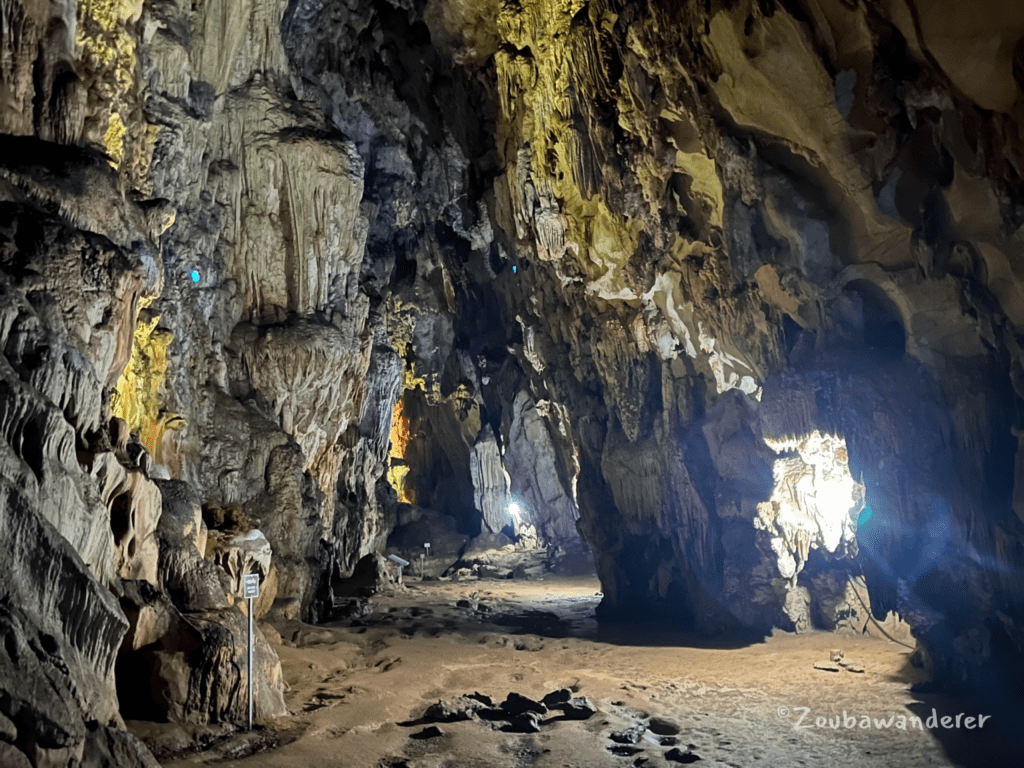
(358, 694)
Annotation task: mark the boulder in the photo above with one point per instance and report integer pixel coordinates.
(430, 526)
(196, 672)
(372, 574)
(516, 703)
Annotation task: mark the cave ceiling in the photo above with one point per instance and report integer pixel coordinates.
(728, 294)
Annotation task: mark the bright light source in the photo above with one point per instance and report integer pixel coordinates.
(815, 503)
(196, 277)
(513, 508)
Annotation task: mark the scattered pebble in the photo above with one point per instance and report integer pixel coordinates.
(629, 735)
(662, 727)
(452, 710)
(526, 722)
(624, 750)
(516, 704)
(578, 708)
(678, 756)
(553, 699)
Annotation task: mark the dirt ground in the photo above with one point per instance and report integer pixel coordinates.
(358, 693)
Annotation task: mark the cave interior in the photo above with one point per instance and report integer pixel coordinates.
(587, 382)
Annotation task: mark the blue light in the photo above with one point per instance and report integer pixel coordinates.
(514, 269)
(865, 515)
(196, 277)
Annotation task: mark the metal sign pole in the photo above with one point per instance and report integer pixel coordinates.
(250, 590)
(249, 667)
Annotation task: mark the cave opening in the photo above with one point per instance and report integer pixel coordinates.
(815, 503)
(816, 518)
(436, 459)
(880, 323)
(474, 505)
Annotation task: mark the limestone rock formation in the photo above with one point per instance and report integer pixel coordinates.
(490, 483)
(543, 494)
(613, 265)
(815, 502)
(760, 233)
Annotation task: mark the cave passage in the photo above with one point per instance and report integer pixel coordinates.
(585, 383)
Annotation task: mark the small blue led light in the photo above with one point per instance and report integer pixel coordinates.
(514, 269)
(196, 277)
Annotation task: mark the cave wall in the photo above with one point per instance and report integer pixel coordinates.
(269, 221)
(605, 248)
(233, 237)
(78, 524)
(750, 220)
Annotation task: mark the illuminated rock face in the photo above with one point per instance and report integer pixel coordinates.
(608, 251)
(815, 502)
(491, 484)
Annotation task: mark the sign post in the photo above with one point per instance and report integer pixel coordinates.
(250, 591)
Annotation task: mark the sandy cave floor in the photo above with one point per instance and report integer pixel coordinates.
(357, 693)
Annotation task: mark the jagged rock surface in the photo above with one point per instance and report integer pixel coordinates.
(75, 521)
(802, 218)
(610, 251)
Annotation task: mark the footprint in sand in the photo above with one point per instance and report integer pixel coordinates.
(322, 700)
(386, 665)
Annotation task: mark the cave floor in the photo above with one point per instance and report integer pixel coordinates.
(357, 693)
